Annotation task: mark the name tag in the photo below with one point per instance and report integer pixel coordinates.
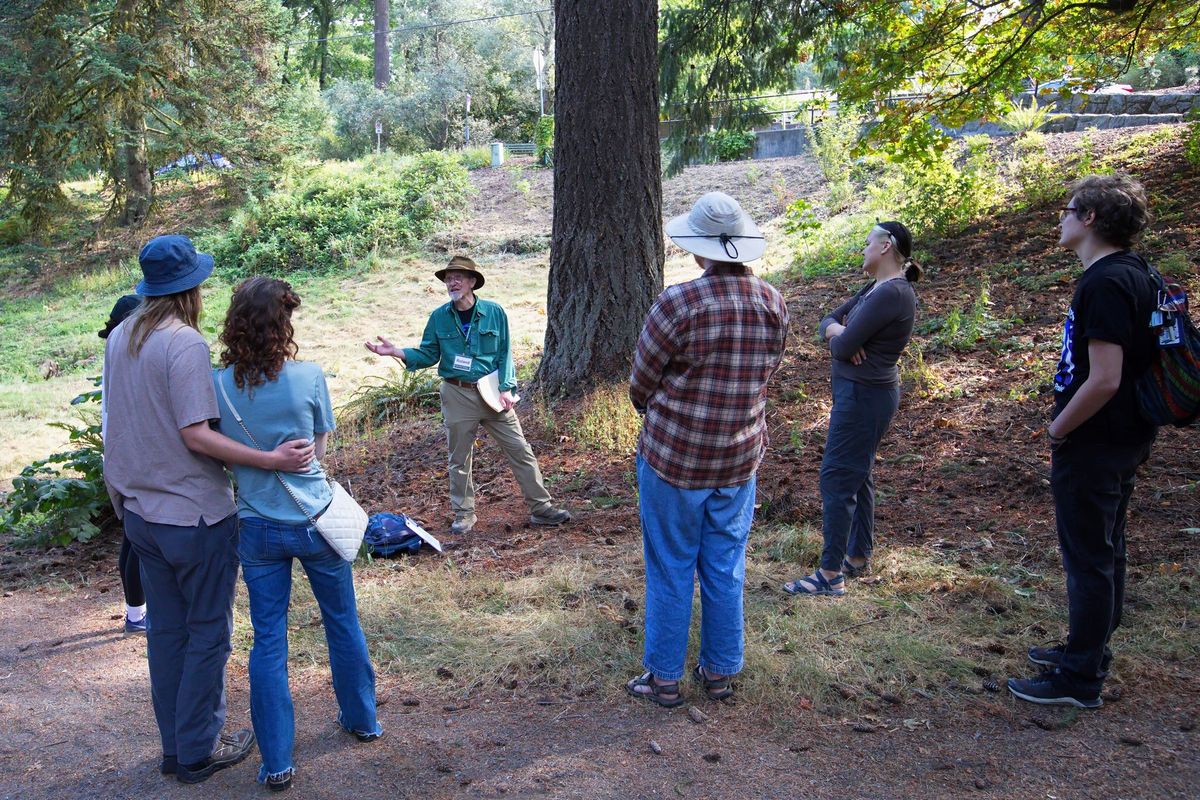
(463, 363)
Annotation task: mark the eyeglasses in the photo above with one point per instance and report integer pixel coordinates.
(1062, 212)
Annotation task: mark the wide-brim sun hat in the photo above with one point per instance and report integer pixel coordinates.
(462, 264)
(123, 308)
(718, 229)
(170, 264)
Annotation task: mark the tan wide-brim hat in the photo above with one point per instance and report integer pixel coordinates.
(465, 265)
(717, 228)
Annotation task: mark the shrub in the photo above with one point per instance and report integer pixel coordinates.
(381, 399)
(607, 421)
(543, 139)
(1191, 139)
(62, 498)
(1021, 119)
(475, 157)
(832, 141)
(1037, 177)
(729, 145)
(343, 212)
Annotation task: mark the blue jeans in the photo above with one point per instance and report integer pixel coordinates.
(685, 533)
(266, 550)
(189, 575)
(860, 417)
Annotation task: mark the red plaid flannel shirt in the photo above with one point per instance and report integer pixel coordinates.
(700, 377)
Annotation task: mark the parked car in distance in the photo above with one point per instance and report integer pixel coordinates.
(1078, 86)
(190, 162)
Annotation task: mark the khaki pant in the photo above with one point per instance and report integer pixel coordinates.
(463, 411)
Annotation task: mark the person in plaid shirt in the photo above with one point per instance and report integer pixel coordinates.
(700, 374)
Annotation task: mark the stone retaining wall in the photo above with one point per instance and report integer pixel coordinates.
(1118, 104)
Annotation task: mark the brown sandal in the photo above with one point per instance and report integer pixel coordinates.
(655, 692)
(714, 688)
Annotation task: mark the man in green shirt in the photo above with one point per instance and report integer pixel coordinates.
(468, 339)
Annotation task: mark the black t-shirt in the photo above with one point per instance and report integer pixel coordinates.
(1113, 301)
(464, 318)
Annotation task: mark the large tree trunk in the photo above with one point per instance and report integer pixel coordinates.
(383, 55)
(324, 30)
(606, 252)
(133, 163)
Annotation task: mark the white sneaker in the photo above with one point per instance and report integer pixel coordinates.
(463, 523)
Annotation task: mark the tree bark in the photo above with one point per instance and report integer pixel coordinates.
(606, 257)
(138, 186)
(324, 29)
(383, 54)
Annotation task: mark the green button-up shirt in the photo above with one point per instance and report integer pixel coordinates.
(487, 345)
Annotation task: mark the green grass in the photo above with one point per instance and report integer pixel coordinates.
(572, 625)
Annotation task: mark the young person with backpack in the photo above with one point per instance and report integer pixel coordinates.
(1098, 438)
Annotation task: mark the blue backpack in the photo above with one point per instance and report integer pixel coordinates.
(389, 534)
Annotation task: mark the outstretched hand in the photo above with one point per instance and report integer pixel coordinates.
(385, 348)
(294, 456)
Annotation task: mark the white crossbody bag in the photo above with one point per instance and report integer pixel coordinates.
(342, 523)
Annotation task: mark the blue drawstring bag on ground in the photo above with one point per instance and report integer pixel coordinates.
(389, 534)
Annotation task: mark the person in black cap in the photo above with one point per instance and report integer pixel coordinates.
(127, 563)
(163, 470)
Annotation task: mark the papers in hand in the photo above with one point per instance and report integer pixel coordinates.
(489, 390)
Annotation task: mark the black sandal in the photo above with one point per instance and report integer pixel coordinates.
(714, 688)
(851, 571)
(656, 692)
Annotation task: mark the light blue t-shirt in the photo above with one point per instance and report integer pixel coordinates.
(295, 405)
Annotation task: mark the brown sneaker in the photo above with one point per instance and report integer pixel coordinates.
(231, 749)
(550, 517)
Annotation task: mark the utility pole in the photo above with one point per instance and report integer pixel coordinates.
(383, 54)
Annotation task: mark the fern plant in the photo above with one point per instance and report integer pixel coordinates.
(1021, 119)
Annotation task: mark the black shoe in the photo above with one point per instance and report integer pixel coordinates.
(1052, 657)
(280, 783)
(169, 765)
(231, 749)
(367, 737)
(1049, 689)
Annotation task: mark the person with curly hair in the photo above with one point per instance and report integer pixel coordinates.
(280, 398)
(1097, 437)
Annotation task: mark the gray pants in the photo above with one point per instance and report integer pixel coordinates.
(189, 574)
(464, 411)
(860, 417)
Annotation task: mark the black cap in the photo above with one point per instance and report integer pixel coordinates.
(124, 307)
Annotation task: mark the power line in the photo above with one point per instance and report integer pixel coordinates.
(410, 28)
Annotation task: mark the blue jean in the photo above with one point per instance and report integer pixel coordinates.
(688, 533)
(189, 575)
(860, 417)
(266, 550)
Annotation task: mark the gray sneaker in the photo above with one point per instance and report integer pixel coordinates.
(463, 523)
(550, 517)
(231, 749)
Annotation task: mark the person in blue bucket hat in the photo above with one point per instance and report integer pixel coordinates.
(164, 474)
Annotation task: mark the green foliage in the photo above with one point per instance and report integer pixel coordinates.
(934, 196)
(342, 213)
(800, 217)
(380, 400)
(964, 330)
(543, 140)
(729, 144)
(62, 498)
(475, 157)
(607, 421)
(1191, 140)
(833, 140)
(1039, 179)
(1021, 119)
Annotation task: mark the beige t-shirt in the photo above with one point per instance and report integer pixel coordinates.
(147, 400)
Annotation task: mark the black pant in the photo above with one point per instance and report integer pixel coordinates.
(131, 574)
(1092, 483)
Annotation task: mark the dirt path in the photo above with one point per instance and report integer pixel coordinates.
(77, 722)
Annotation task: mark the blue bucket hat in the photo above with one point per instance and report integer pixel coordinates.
(170, 264)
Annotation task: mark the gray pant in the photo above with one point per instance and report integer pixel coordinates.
(860, 417)
(464, 411)
(189, 574)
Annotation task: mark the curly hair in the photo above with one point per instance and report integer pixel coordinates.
(258, 331)
(1120, 204)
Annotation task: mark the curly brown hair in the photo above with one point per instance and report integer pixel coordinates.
(258, 331)
(1122, 210)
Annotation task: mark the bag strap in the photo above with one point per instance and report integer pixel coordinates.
(240, 421)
